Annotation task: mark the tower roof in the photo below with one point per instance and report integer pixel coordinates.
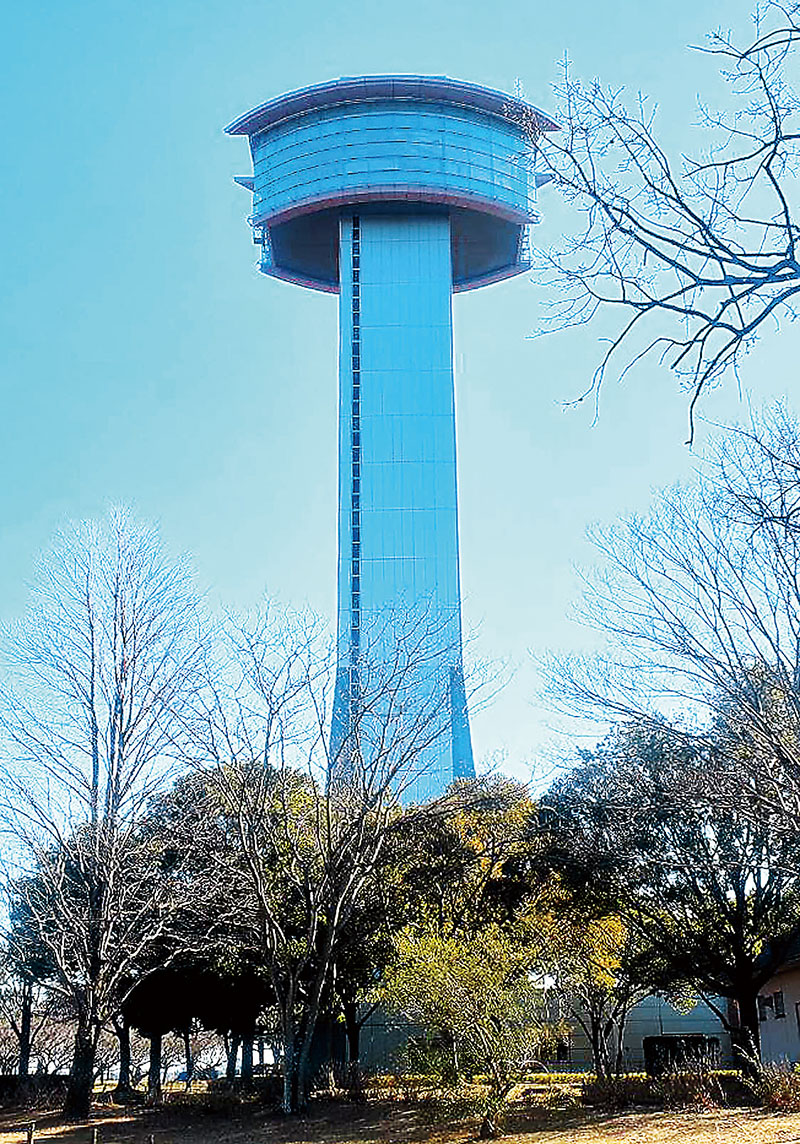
(408, 88)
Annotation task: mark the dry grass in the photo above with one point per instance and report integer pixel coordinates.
(725, 1126)
(382, 1123)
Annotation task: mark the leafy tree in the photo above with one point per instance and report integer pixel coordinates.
(172, 999)
(363, 949)
(478, 991)
(470, 963)
(203, 971)
(593, 967)
(467, 868)
(711, 897)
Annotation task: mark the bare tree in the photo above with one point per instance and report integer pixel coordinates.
(693, 258)
(28, 1008)
(101, 669)
(9, 1048)
(308, 828)
(699, 604)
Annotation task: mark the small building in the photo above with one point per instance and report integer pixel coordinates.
(652, 1017)
(779, 1014)
(384, 1035)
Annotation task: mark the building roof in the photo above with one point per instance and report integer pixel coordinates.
(363, 89)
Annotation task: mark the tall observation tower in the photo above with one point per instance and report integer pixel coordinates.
(395, 192)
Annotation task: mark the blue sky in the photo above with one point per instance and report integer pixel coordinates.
(145, 360)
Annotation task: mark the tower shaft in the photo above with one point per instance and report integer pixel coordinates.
(398, 575)
(395, 191)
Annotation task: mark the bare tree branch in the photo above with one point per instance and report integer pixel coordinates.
(691, 259)
(100, 670)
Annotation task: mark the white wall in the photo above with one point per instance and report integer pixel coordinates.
(780, 1036)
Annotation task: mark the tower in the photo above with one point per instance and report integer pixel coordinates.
(395, 192)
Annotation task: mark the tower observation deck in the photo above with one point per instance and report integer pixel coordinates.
(395, 192)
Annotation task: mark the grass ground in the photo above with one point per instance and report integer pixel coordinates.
(391, 1123)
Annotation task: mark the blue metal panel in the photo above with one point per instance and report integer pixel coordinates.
(334, 153)
(401, 445)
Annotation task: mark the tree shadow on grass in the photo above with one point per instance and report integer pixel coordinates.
(332, 1122)
(326, 1123)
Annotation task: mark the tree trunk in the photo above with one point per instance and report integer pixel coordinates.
(231, 1049)
(303, 1049)
(25, 1021)
(746, 1040)
(289, 1068)
(247, 1060)
(598, 1048)
(188, 1057)
(154, 1075)
(622, 1020)
(492, 1122)
(301, 1085)
(453, 1076)
(78, 1101)
(123, 1033)
(330, 1071)
(352, 1028)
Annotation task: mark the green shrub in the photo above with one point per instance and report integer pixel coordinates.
(429, 1056)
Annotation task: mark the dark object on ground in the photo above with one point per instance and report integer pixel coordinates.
(671, 1051)
(130, 1096)
(38, 1091)
(267, 1089)
(617, 1094)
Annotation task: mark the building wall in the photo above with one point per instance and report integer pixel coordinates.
(779, 1010)
(340, 151)
(384, 1035)
(398, 517)
(652, 1017)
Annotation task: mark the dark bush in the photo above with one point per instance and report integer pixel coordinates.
(617, 1093)
(38, 1091)
(268, 1089)
(688, 1088)
(223, 1103)
(777, 1087)
(677, 1051)
(680, 1088)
